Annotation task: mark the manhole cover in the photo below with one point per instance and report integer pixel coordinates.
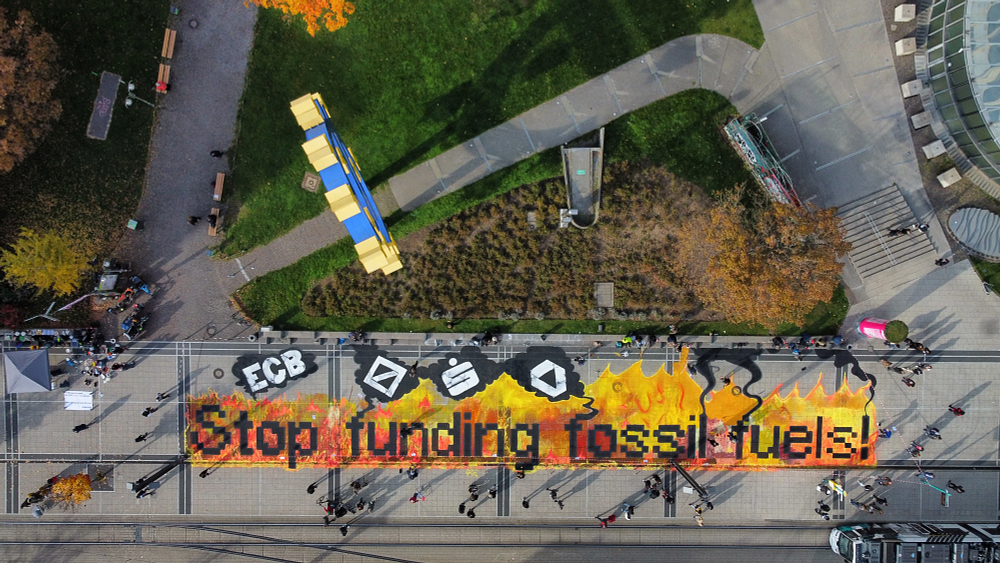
(218, 373)
(193, 23)
(210, 331)
(310, 182)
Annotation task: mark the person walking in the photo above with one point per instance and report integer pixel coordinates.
(80, 428)
(627, 511)
(217, 154)
(942, 262)
(149, 411)
(461, 508)
(553, 493)
(344, 528)
(471, 513)
(933, 433)
(412, 472)
(880, 500)
(957, 488)
(162, 397)
(955, 410)
(193, 219)
(883, 481)
(417, 496)
(142, 437)
(699, 520)
(492, 492)
(525, 503)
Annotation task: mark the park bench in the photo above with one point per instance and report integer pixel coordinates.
(169, 37)
(213, 230)
(220, 179)
(164, 76)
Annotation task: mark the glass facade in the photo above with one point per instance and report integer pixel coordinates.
(963, 71)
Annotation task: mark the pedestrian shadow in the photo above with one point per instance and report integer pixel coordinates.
(579, 487)
(112, 408)
(553, 482)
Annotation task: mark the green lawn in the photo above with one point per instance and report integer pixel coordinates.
(405, 81)
(680, 132)
(989, 271)
(71, 183)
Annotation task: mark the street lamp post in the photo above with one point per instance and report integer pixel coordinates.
(131, 96)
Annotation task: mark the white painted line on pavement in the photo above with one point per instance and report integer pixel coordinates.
(242, 271)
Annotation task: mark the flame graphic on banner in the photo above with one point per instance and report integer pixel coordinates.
(623, 419)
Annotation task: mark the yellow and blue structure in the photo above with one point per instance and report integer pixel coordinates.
(346, 191)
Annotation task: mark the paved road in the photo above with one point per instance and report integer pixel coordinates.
(197, 116)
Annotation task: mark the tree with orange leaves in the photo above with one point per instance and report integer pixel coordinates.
(768, 263)
(331, 13)
(28, 75)
(73, 490)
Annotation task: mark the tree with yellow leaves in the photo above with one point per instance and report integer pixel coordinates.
(73, 490)
(767, 264)
(47, 261)
(331, 13)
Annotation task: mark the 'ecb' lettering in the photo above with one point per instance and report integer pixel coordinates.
(272, 371)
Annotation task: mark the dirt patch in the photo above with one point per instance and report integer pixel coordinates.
(487, 263)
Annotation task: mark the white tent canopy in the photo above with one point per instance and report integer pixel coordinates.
(27, 371)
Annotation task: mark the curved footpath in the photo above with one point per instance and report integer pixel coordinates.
(824, 80)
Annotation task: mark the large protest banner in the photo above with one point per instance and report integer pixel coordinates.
(468, 409)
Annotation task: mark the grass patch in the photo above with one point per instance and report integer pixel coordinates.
(405, 81)
(681, 131)
(988, 271)
(72, 183)
(825, 319)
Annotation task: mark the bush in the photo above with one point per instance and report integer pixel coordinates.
(896, 331)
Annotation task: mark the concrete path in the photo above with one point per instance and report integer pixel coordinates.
(714, 62)
(197, 116)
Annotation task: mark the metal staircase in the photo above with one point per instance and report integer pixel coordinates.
(884, 262)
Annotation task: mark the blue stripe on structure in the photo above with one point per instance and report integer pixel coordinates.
(334, 177)
(346, 172)
(359, 228)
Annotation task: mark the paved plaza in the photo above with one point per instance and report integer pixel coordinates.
(39, 441)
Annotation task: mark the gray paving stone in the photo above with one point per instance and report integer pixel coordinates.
(415, 187)
(591, 104)
(872, 89)
(819, 92)
(635, 86)
(734, 68)
(850, 14)
(549, 125)
(807, 44)
(461, 166)
(774, 14)
(507, 143)
(677, 64)
(711, 50)
(759, 85)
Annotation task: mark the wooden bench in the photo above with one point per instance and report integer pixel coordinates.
(164, 75)
(169, 37)
(220, 179)
(212, 231)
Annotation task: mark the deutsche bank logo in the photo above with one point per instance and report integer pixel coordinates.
(558, 387)
(384, 376)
